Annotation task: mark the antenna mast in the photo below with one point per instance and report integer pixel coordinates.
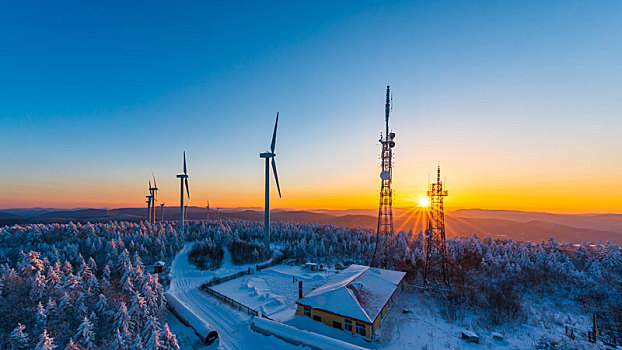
(435, 248)
(385, 210)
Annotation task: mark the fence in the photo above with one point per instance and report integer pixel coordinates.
(225, 299)
(218, 280)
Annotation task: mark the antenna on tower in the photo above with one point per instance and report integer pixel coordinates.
(385, 209)
(435, 248)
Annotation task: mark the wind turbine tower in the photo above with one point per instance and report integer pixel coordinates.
(183, 179)
(385, 209)
(162, 212)
(207, 207)
(148, 201)
(435, 248)
(154, 197)
(269, 156)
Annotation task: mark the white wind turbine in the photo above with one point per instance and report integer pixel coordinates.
(183, 179)
(270, 156)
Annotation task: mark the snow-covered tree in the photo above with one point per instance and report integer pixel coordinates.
(85, 335)
(151, 334)
(19, 339)
(169, 340)
(46, 342)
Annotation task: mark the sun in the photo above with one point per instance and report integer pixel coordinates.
(424, 202)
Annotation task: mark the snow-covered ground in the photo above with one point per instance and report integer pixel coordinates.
(274, 292)
(232, 326)
(425, 328)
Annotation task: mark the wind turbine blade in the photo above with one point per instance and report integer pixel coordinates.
(185, 170)
(155, 185)
(187, 189)
(276, 177)
(273, 144)
(149, 183)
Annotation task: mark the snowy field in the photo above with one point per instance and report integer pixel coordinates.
(273, 291)
(232, 326)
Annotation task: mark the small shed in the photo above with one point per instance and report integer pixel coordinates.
(311, 266)
(158, 267)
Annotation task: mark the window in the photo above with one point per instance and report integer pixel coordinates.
(336, 324)
(307, 311)
(347, 325)
(360, 329)
(317, 318)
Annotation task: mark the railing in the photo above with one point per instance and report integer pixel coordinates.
(225, 299)
(236, 304)
(218, 280)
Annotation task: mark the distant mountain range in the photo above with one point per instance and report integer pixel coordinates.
(517, 225)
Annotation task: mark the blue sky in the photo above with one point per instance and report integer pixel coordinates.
(509, 96)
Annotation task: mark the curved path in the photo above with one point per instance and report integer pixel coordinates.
(232, 326)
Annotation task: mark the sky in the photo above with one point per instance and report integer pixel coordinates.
(519, 101)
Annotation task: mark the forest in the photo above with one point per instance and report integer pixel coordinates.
(91, 286)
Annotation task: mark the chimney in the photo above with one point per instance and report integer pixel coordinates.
(299, 289)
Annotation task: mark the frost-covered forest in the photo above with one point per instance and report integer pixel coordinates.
(90, 286)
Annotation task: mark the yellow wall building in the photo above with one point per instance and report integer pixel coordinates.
(356, 301)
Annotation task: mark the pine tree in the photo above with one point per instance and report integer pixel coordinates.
(169, 339)
(72, 345)
(46, 342)
(138, 344)
(85, 335)
(138, 312)
(19, 339)
(38, 286)
(118, 342)
(122, 319)
(151, 334)
(42, 316)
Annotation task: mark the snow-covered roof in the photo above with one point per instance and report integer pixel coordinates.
(358, 292)
(160, 263)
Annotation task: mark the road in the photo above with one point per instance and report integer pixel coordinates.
(232, 326)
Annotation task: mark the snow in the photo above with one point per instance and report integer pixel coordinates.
(298, 336)
(232, 326)
(272, 291)
(188, 317)
(425, 328)
(359, 292)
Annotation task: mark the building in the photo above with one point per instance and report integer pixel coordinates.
(356, 301)
(158, 267)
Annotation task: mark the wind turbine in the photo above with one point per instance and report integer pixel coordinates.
(207, 211)
(183, 178)
(270, 156)
(162, 211)
(149, 198)
(154, 197)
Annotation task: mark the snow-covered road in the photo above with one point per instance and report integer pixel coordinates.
(232, 326)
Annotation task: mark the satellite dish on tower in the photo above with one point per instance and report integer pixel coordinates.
(385, 175)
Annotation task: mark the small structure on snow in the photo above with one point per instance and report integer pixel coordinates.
(470, 337)
(311, 266)
(356, 301)
(497, 336)
(158, 267)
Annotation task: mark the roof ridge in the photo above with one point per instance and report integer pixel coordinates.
(356, 300)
